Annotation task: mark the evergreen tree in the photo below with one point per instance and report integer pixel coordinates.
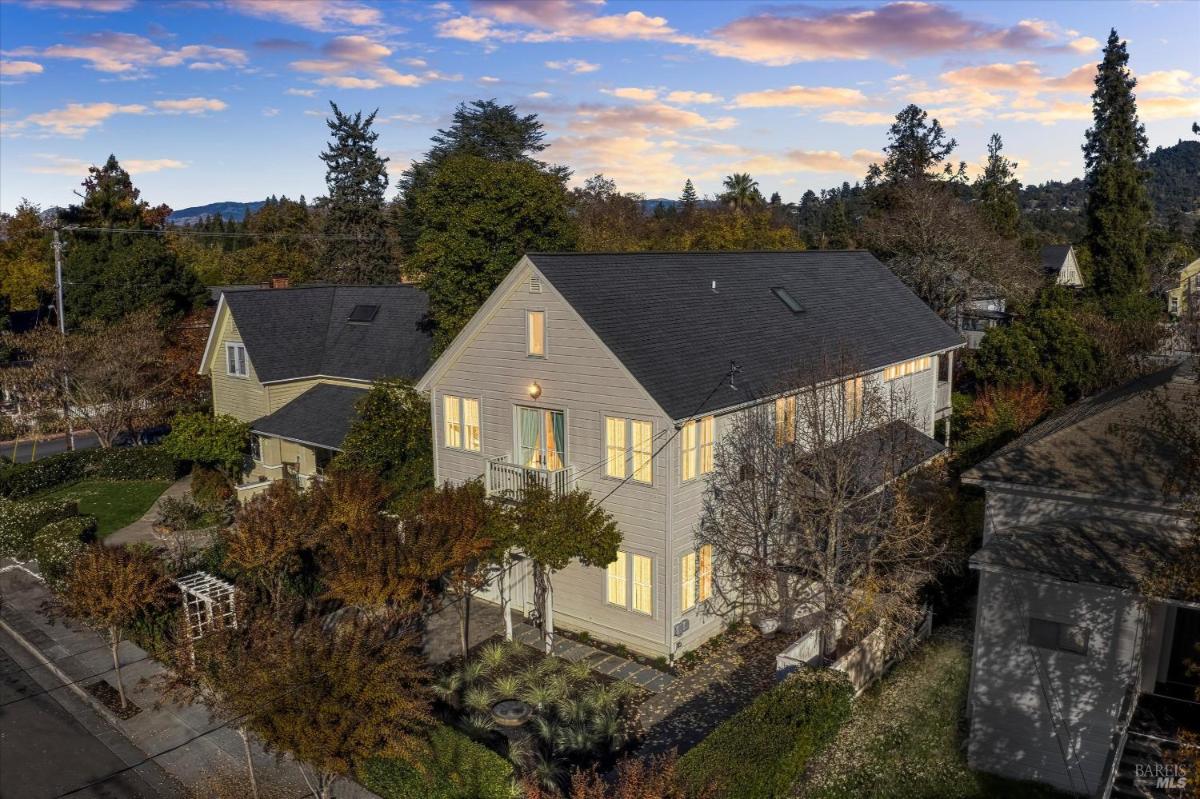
(1117, 210)
(688, 199)
(837, 233)
(917, 151)
(776, 201)
(112, 272)
(997, 190)
(357, 178)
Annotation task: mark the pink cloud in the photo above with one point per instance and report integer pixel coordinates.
(317, 15)
(130, 54)
(800, 97)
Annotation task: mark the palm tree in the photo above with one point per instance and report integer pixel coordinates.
(741, 192)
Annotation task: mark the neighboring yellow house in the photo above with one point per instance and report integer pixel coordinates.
(1187, 289)
(292, 362)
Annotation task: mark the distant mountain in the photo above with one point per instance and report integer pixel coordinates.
(227, 210)
(1174, 185)
(650, 205)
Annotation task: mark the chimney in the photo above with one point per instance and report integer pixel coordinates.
(279, 281)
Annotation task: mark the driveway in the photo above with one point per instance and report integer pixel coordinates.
(45, 750)
(52, 446)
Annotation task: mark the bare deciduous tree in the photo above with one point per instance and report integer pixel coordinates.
(811, 508)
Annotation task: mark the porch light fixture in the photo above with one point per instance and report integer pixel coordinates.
(535, 390)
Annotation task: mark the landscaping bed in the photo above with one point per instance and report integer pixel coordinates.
(114, 503)
(111, 699)
(904, 737)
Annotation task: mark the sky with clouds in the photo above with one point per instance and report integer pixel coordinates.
(208, 100)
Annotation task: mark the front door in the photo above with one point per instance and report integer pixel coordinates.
(541, 439)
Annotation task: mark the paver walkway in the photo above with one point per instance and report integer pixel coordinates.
(142, 531)
(442, 643)
(181, 739)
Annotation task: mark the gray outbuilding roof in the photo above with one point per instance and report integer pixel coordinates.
(1053, 257)
(1102, 445)
(660, 314)
(1099, 550)
(306, 331)
(321, 416)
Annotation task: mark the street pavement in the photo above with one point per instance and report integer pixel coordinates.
(46, 750)
(44, 449)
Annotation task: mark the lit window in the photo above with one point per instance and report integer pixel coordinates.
(536, 329)
(696, 447)
(643, 457)
(235, 360)
(852, 391)
(616, 580)
(907, 368)
(614, 446)
(785, 421)
(687, 569)
(705, 572)
(461, 423)
(643, 600)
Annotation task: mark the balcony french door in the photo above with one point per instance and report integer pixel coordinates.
(541, 439)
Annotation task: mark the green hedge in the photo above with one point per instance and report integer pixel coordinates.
(459, 768)
(57, 544)
(124, 463)
(21, 521)
(760, 752)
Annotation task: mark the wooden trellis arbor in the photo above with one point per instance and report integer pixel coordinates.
(208, 604)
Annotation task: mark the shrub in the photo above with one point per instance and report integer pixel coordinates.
(458, 768)
(57, 544)
(211, 488)
(20, 522)
(219, 442)
(133, 463)
(184, 513)
(760, 752)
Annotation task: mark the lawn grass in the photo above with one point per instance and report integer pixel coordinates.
(905, 736)
(114, 503)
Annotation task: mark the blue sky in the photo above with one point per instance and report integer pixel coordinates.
(207, 100)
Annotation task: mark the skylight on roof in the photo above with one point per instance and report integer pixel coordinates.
(363, 314)
(787, 299)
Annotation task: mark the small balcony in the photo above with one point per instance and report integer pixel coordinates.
(507, 479)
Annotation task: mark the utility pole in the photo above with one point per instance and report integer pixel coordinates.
(60, 311)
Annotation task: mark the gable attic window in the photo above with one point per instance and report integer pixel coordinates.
(785, 296)
(235, 360)
(363, 314)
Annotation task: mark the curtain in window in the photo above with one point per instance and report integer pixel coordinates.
(642, 454)
(643, 601)
(616, 580)
(687, 569)
(531, 441)
(471, 424)
(556, 446)
(614, 446)
(453, 424)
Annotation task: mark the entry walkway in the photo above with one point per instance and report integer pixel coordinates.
(142, 531)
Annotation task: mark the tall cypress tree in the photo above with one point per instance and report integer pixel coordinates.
(1118, 209)
(355, 215)
(689, 198)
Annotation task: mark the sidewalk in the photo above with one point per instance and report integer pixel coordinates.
(142, 531)
(180, 739)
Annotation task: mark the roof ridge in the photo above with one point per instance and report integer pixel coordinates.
(696, 252)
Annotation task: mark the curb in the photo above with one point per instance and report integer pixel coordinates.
(65, 678)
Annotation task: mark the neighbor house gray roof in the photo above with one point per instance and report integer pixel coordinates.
(305, 331)
(1103, 445)
(1053, 257)
(660, 315)
(321, 416)
(1098, 550)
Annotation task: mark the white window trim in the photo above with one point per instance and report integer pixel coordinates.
(629, 471)
(243, 362)
(629, 584)
(529, 353)
(460, 400)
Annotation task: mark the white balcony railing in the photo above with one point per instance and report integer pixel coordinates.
(504, 478)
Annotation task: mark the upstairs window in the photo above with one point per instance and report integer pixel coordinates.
(536, 333)
(852, 393)
(785, 421)
(235, 360)
(696, 447)
(614, 447)
(628, 439)
(460, 423)
(907, 368)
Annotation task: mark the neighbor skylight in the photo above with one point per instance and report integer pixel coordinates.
(787, 299)
(363, 314)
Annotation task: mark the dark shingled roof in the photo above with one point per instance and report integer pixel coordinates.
(1098, 550)
(1083, 447)
(304, 331)
(1053, 257)
(658, 314)
(322, 416)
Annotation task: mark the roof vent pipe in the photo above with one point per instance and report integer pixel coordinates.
(714, 287)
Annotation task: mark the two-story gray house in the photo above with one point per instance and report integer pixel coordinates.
(1080, 667)
(611, 372)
